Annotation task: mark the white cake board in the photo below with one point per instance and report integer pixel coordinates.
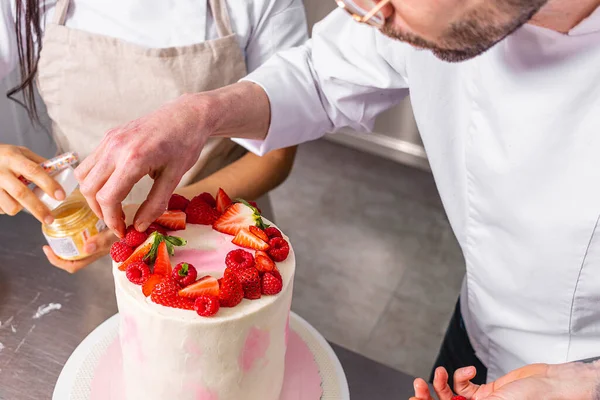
(74, 382)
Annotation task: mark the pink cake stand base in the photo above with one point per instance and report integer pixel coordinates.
(301, 382)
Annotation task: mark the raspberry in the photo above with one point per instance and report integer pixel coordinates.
(185, 274)
(138, 273)
(459, 398)
(156, 228)
(207, 305)
(231, 292)
(279, 249)
(250, 281)
(205, 198)
(134, 238)
(166, 293)
(201, 213)
(239, 259)
(273, 232)
(178, 202)
(120, 251)
(270, 284)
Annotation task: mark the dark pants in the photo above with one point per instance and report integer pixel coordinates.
(456, 351)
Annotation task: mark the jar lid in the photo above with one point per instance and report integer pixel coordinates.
(65, 178)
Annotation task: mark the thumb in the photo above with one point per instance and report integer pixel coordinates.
(100, 242)
(462, 382)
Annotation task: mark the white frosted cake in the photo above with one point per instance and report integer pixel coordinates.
(192, 338)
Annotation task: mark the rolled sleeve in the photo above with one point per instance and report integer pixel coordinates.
(340, 78)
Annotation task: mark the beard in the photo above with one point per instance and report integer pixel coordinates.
(476, 32)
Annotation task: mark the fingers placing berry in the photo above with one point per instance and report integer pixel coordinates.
(279, 249)
(134, 238)
(421, 390)
(239, 259)
(462, 382)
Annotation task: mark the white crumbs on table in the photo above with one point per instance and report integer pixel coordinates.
(45, 309)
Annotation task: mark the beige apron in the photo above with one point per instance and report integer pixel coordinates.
(91, 83)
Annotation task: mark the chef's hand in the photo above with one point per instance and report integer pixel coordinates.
(164, 144)
(97, 246)
(18, 161)
(573, 381)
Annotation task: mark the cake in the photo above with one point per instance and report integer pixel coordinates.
(189, 335)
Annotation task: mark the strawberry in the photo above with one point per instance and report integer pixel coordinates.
(207, 198)
(201, 213)
(237, 217)
(231, 292)
(120, 251)
(270, 285)
(263, 262)
(134, 238)
(458, 398)
(279, 249)
(255, 205)
(273, 232)
(162, 265)
(207, 306)
(172, 220)
(138, 273)
(250, 281)
(239, 259)
(177, 202)
(166, 294)
(259, 233)
(151, 283)
(223, 201)
(247, 240)
(185, 274)
(156, 228)
(138, 254)
(204, 286)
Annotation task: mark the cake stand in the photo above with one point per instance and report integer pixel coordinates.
(313, 371)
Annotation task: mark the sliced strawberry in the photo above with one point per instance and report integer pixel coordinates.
(162, 265)
(223, 201)
(259, 233)
(236, 217)
(172, 220)
(263, 262)
(246, 239)
(151, 283)
(207, 285)
(139, 253)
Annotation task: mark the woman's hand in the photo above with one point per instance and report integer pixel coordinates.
(573, 381)
(97, 246)
(18, 161)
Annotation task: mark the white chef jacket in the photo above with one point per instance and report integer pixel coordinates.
(262, 26)
(513, 139)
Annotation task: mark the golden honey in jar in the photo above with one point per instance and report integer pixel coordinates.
(74, 223)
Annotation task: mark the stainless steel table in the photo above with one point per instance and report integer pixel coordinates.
(34, 348)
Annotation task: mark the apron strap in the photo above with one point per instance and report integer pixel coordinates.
(221, 17)
(60, 11)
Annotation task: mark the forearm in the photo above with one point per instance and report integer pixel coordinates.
(241, 110)
(249, 177)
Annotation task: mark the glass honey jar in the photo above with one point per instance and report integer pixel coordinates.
(74, 223)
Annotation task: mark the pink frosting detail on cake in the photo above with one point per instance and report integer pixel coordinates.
(192, 348)
(130, 336)
(287, 330)
(205, 394)
(212, 260)
(255, 348)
